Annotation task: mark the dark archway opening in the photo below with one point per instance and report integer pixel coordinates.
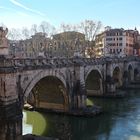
(93, 83)
(49, 93)
(117, 77)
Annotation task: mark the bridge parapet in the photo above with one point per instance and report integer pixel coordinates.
(29, 63)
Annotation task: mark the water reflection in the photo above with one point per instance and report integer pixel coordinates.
(120, 120)
(28, 128)
(34, 123)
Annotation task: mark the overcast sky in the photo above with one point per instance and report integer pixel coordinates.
(115, 13)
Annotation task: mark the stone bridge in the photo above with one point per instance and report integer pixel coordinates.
(57, 84)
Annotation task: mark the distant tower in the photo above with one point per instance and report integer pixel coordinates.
(3, 41)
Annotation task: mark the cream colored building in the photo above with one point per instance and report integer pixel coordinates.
(116, 42)
(66, 44)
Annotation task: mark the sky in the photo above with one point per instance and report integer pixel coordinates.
(115, 13)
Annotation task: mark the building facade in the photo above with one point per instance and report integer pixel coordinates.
(65, 44)
(116, 42)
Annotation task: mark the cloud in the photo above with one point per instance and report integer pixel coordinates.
(26, 8)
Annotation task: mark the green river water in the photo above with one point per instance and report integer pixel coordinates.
(120, 121)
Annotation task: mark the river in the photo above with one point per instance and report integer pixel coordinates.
(120, 121)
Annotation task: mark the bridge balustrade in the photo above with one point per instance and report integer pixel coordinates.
(60, 62)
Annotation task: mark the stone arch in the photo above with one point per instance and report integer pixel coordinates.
(117, 76)
(39, 82)
(41, 75)
(91, 69)
(93, 82)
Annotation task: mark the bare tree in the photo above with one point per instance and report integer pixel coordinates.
(90, 28)
(44, 27)
(65, 27)
(14, 34)
(53, 31)
(97, 28)
(47, 28)
(34, 29)
(25, 33)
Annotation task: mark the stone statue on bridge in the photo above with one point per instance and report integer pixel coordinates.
(3, 41)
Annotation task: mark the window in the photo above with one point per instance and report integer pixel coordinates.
(108, 39)
(121, 33)
(120, 38)
(120, 44)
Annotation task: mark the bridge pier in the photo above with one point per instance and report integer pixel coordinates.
(79, 99)
(78, 88)
(110, 84)
(10, 122)
(10, 107)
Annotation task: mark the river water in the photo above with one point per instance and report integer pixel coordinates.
(120, 121)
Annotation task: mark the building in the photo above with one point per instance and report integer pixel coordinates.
(116, 42)
(37, 45)
(70, 44)
(65, 44)
(137, 47)
(99, 44)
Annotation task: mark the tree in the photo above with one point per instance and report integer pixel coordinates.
(90, 28)
(65, 27)
(69, 27)
(25, 33)
(34, 29)
(47, 28)
(14, 34)
(53, 31)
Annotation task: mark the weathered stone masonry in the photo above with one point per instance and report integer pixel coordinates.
(71, 81)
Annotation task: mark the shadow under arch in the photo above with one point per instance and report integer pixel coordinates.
(47, 92)
(130, 73)
(93, 83)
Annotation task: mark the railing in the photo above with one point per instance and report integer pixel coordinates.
(60, 62)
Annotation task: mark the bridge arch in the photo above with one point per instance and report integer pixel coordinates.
(93, 82)
(117, 76)
(48, 91)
